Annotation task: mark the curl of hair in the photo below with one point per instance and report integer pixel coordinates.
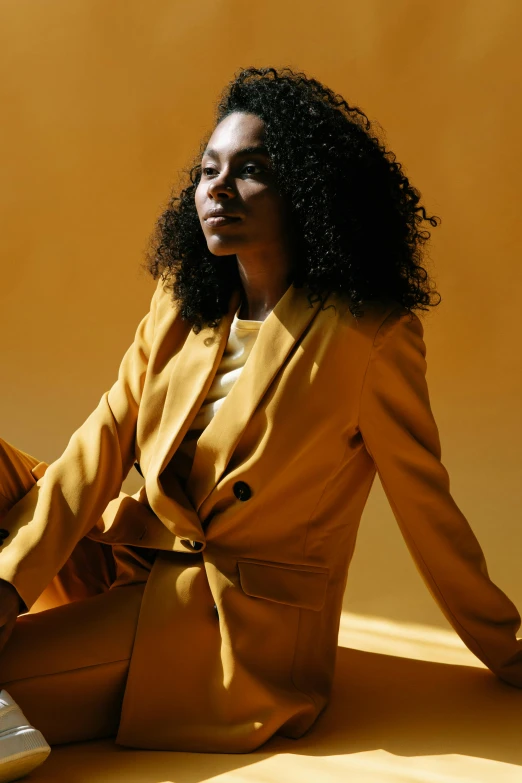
(357, 223)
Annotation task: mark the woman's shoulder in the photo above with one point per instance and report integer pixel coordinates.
(163, 302)
(368, 317)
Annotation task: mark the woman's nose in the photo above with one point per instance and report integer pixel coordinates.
(220, 186)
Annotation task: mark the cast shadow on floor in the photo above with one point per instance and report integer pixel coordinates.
(402, 706)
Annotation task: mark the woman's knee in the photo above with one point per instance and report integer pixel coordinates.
(67, 667)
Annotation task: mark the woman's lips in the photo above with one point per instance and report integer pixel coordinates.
(221, 220)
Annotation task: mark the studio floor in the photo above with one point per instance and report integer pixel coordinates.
(410, 704)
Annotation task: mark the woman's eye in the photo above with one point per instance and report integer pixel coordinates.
(250, 168)
(253, 166)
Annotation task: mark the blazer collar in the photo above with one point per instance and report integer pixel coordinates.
(191, 377)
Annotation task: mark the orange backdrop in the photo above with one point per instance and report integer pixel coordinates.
(105, 102)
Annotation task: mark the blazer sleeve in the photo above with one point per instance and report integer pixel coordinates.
(401, 436)
(66, 502)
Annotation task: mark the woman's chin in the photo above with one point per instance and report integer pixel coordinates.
(220, 247)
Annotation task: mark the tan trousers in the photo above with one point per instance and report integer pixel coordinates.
(66, 662)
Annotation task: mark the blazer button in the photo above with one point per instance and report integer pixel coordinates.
(242, 491)
(194, 546)
(3, 534)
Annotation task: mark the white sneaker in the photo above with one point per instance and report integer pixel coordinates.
(22, 747)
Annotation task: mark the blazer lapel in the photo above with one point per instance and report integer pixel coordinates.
(191, 375)
(277, 336)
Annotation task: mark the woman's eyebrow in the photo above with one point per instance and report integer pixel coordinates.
(254, 150)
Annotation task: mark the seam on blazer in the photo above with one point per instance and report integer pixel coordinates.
(67, 671)
(323, 491)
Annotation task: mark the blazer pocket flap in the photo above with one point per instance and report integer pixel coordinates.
(302, 586)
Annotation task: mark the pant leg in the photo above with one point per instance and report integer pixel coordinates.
(66, 662)
(67, 667)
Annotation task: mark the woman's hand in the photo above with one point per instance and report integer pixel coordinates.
(9, 610)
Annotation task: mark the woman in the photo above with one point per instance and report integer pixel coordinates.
(281, 364)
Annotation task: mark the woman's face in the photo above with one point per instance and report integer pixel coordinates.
(237, 180)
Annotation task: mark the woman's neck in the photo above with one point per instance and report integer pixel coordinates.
(263, 283)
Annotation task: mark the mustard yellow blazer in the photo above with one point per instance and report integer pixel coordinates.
(238, 628)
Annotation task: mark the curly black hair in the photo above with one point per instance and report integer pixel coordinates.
(355, 218)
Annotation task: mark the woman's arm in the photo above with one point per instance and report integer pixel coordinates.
(61, 508)
(401, 435)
